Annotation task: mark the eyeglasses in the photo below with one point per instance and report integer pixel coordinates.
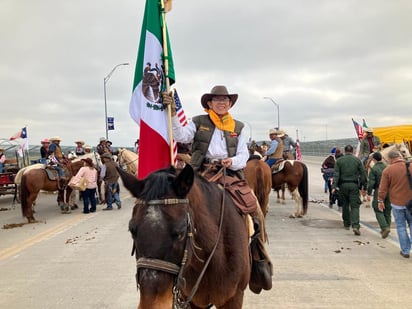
(220, 99)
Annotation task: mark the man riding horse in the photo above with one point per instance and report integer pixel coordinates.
(368, 144)
(215, 137)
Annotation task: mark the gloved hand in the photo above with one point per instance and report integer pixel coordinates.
(169, 100)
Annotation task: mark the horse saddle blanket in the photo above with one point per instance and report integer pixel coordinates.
(278, 167)
(52, 173)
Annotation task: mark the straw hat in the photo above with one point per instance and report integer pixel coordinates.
(79, 142)
(55, 138)
(274, 131)
(368, 130)
(102, 139)
(87, 147)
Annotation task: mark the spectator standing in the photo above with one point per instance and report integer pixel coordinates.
(327, 168)
(89, 172)
(395, 182)
(349, 174)
(2, 159)
(382, 216)
(110, 176)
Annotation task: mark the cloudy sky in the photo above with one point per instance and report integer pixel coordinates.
(322, 62)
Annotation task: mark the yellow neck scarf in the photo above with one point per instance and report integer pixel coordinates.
(224, 123)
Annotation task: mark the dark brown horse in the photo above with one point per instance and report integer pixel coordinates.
(259, 178)
(35, 180)
(295, 175)
(197, 252)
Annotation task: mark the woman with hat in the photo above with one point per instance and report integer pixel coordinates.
(79, 148)
(44, 149)
(215, 135)
(89, 172)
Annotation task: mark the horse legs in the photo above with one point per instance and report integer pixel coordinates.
(298, 200)
(28, 213)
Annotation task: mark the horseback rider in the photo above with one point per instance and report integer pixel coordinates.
(103, 147)
(275, 151)
(56, 158)
(289, 146)
(79, 148)
(215, 136)
(368, 144)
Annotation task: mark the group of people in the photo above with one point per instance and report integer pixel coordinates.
(52, 155)
(346, 176)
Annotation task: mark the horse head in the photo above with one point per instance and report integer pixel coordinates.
(161, 211)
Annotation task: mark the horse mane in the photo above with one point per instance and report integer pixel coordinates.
(157, 185)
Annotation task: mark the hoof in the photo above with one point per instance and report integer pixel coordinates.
(292, 216)
(31, 220)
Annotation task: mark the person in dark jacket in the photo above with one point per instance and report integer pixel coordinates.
(349, 174)
(110, 176)
(374, 179)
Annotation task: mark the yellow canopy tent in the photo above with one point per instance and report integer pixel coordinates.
(395, 134)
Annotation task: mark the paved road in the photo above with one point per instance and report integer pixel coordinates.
(83, 261)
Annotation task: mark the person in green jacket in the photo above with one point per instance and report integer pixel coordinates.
(368, 144)
(383, 217)
(349, 176)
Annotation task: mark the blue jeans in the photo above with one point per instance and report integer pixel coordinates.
(89, 195)
(113, 194)
(403, 216)
(271, 161)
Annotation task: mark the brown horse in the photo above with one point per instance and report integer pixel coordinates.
(259, 178)
(35, 180)
(197, 253)
(295, 175)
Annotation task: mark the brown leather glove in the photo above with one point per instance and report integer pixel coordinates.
(169, 100)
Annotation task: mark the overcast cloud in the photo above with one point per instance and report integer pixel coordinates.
(323, 62)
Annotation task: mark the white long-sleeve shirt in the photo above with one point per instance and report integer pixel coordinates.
(217, 147)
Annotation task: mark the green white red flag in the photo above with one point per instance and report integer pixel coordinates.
(146, 106)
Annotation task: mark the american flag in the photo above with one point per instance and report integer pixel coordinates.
(182, 119)
(358, 129)
(298, 152)
(179, 110)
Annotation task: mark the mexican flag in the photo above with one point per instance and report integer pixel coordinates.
(146, 106)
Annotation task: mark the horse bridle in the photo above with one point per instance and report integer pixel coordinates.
(173, 268)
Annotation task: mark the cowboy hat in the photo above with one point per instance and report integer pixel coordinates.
(281, 133)
(55, 138)
(217, 90)
(87, 147)
(79, 142)
(45, 141)
(274, 131)
(88, 161)
(368, 130)
(102, 139)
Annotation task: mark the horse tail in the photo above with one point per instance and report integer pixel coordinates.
(304, 188)
(24, 194)
(260, 190)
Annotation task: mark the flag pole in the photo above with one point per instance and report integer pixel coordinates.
(166, 64)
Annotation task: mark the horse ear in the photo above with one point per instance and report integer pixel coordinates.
(184, 181)
(132, 184)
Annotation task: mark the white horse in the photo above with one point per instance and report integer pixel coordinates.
(128, 160)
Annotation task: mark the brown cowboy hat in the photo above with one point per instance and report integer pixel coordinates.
(217, 90)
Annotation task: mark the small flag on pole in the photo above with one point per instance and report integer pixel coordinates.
(358, 129)
(21, 134)
(179, 110)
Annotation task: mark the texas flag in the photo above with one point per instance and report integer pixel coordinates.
(21, 134)
(146, 106)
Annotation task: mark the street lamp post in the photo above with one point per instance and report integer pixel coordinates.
(277, 107)
(105, 80)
